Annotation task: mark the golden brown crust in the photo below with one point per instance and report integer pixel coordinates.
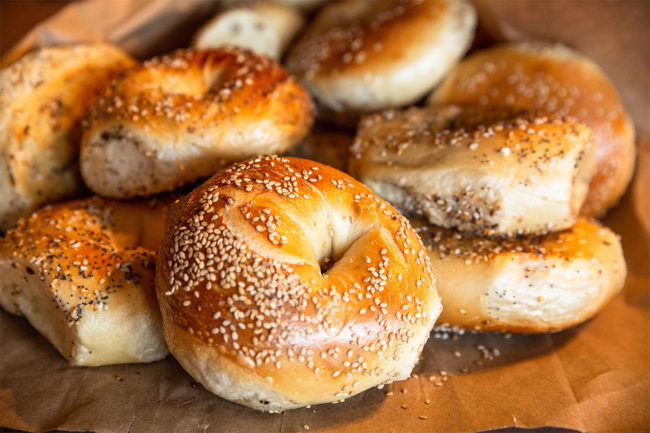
(180, 117)
(557, 80)
(489, 173)
(82, 273)
(286, 281)
(43, 97)
(360, 56)
(526, 284)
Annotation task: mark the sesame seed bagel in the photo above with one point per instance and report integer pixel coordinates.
(82, 273)
(43, 97)
(285, 283)
(180, 117)
(528, 284)
(553, 79)
(361, 56)
(467, 169)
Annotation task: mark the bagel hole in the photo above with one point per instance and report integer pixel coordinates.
(326, 264)
(345, 236)
(197, 85)
(211, 76)
(328, 261)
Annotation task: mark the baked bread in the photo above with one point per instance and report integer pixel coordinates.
(265, 28)
(467, 170)
(527, 284)
(284, 283)
(43, 97)
(181, 117)
(361, 56)
(553, 79)
(82, 273)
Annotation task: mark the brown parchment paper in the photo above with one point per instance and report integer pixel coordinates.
(595, 377)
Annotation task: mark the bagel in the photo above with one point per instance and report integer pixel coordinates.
(360, 56)
(553, 79)
(82, 274)
(529, 284)
(465, 169)
(43, 97)
(283, 283)
(265, 28)
(180, 117)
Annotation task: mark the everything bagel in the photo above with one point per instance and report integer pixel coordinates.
(527, 284)
(43, 97)
(482, 172)
(82, 273)
(552, 79)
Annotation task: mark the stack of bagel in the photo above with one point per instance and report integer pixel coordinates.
(428, 190)
(496, 203)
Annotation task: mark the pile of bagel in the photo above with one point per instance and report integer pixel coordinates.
(291, 234)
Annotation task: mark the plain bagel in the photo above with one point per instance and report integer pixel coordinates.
(528, 284)
(82, 273)
(265, 28)
(360, 56)
(182, 116)
(553, 79)
(284, 283)
(43, 97)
